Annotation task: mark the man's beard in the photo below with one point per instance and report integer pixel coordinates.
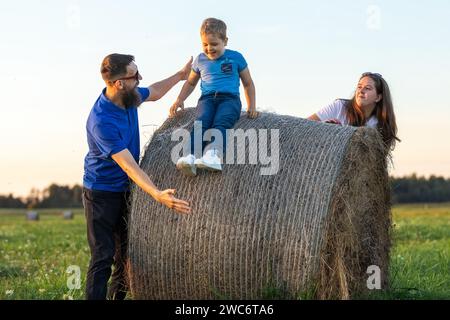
(130, 98)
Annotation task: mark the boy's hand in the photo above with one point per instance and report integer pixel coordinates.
(252, 113)
(174, 108)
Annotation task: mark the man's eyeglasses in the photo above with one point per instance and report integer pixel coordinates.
(135, 77)
(373, 74)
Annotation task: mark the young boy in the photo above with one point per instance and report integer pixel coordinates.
(219, 106)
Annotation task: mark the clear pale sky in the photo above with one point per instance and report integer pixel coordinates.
(302, 55)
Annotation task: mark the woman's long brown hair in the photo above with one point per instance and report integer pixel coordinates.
(383, 111)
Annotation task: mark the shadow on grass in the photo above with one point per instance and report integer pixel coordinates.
(272, 292)
(10, 271)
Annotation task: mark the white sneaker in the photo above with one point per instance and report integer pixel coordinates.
(209, 161)
(186, 165)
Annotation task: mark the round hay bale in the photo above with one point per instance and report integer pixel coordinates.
(312, 229)
(32, 215)
(67, 215)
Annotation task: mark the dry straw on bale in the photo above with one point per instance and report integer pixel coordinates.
(311, 229)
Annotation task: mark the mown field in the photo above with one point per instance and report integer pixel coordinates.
(35, 255)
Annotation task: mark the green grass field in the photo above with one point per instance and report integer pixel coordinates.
(35, 255)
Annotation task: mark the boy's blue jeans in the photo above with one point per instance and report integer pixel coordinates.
(220, 111)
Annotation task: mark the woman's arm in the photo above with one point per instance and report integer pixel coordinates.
(314, 117)
(330, 113)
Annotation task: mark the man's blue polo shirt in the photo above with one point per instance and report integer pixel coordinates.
(110, 129)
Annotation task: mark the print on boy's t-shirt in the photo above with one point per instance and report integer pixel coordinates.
(226, 67)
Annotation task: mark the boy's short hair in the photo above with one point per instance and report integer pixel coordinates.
(214, 26)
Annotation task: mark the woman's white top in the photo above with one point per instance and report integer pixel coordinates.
(336, 110)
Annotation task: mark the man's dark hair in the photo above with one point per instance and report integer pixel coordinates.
(115, 65)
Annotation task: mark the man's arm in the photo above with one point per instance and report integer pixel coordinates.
(126, 161)
(160, 88)
(250, 95)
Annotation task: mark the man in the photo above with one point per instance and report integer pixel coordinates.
(113, 139)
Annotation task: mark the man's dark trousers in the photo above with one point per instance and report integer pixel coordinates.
(106, 218)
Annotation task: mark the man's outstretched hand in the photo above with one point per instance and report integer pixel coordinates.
(166, 198)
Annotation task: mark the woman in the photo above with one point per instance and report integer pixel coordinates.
(370, 106)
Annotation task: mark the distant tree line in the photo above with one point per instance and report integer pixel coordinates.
(414, 189)
(408, 189)
(54, 196)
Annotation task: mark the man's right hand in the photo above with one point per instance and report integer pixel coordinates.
(129, 165)
(174, 108)
(166, 198)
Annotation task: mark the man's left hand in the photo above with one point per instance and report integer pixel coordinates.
(184, 73)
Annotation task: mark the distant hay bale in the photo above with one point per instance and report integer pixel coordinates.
(32, 215)
(67, 214)
(313, 228)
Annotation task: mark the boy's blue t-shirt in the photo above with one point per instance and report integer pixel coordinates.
(220, 75)
(110, 130)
